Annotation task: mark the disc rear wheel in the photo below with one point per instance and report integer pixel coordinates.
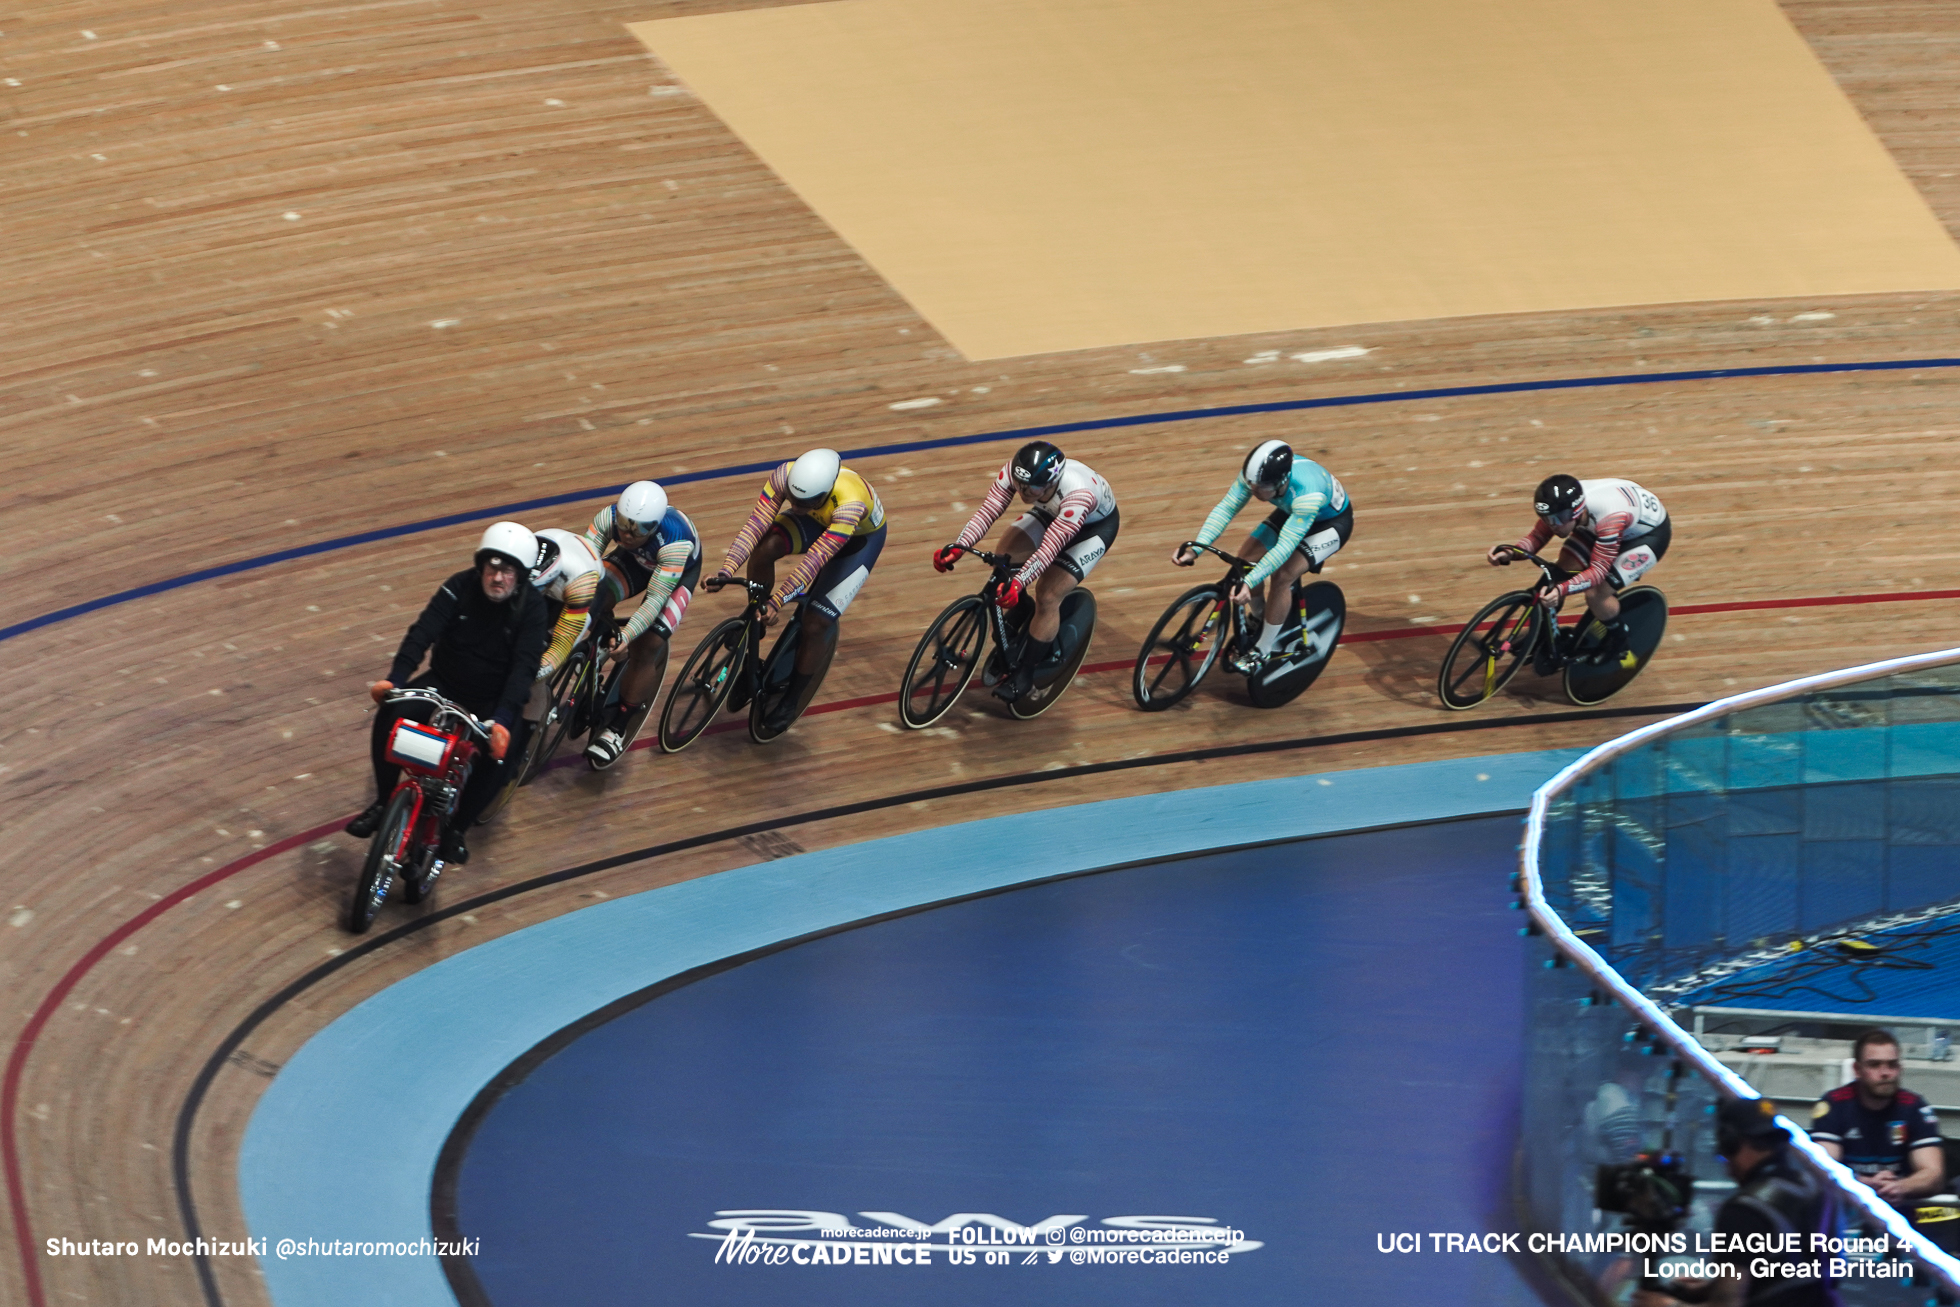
(773, 681)
(630, 727)
(1077, 629)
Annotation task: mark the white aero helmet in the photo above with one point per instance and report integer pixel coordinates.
(812, 476)
(509, 540)
(643, 504)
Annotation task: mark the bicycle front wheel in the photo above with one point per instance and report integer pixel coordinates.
(1181, 648)
(703, 685)
(943, 664)
(387, 855)
(1489, 650)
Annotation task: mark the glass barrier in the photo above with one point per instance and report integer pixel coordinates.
(1755, 843)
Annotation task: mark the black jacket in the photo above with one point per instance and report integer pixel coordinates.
(486, 654)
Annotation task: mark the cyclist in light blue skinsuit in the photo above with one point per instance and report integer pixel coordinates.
(1311, 522)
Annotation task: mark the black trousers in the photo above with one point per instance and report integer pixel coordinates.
(487, 775)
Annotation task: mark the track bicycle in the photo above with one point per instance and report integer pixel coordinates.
(1515, 629)
(435, 759)
(580, 694)
(950, 651)
(1203, 624)
(725, 670)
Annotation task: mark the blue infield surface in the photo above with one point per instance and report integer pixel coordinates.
(1313, 1043)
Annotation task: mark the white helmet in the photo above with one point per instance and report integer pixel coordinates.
(813, 475)
(643, 504)
(509, 540)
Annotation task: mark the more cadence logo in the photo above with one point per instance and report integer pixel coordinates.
(795, 1237)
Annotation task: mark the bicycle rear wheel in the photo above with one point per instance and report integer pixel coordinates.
(1181, 648)
(943, 664)
(772, 682)
(629, 729)
(1587, 682)
(1489, 650)
(1077, 628)
(1319, 615)
(387, 855)
(703, 685)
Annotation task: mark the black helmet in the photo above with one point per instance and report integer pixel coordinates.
(1559, 498)
(1038, 464)
(1269, 464)
(547, 567)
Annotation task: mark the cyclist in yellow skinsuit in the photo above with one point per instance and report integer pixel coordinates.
(830, 515)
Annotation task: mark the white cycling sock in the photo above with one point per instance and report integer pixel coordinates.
(1270, 636)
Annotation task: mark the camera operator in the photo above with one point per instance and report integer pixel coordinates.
(488, 626)
(1775, 1196)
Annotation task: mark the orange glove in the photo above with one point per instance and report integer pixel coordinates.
(379, 690)
(499, 741)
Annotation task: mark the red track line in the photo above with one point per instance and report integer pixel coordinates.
(17, 1061)
(24, 1044)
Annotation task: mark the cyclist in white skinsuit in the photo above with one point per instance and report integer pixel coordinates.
(1614, 531)
(565, 558)
(1070, 523)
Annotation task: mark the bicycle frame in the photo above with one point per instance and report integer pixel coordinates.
(1235, 575)
(1003, 572)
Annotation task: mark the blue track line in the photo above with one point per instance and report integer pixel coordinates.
(948, 442)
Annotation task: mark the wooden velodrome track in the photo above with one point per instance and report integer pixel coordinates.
(234, 234)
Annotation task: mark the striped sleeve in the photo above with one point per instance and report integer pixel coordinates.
(674, 557)
(571, 623)
(1070, 514)
(1228, 508)
(1298, 522)
(1534, 539)
(1605, 551)
(999, 494)
(600, 533)
(767, 504)
(843, 523)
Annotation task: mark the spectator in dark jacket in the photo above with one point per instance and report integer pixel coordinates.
(484, 630)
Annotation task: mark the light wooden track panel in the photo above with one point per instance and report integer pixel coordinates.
(192, 377)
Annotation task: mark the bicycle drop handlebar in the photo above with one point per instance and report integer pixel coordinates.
(1526, 556)
(758, 593)
(1234, 560)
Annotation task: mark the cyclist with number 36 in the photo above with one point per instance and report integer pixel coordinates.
(1311, 520)
(1614, 532)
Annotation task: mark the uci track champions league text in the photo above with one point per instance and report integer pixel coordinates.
(1684, 1255)
(794, 1238)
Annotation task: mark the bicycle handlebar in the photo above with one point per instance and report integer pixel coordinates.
(1232, 559)
(758, 593)
(991, 560)
(444, 708)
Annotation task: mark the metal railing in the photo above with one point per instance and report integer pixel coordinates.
(1728, 837)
